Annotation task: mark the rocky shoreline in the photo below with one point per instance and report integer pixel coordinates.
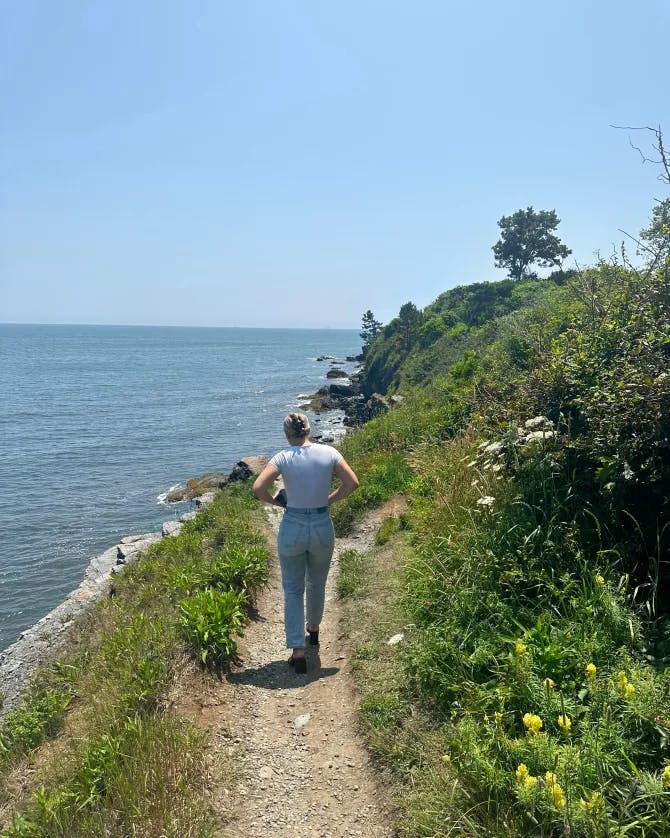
(344, 392)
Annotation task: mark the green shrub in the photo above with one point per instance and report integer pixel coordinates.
(209, 620)
(240, 568)
(129, 768)
(533, 572)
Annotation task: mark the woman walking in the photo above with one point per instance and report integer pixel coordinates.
(306, 537)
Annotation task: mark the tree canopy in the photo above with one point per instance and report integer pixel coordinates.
(409, 321)
(370, 328)
(657, 235)
(527, 238)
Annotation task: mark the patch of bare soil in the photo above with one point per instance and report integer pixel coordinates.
(303, 770)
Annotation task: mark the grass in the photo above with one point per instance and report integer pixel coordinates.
(122, 762)
(389, 526)
(39, 717)
(140, 777)
(381, 477)
(353, 579)
(408, 750)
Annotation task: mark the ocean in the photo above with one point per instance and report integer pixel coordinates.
(97, 422)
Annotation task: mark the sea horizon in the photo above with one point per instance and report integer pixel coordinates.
(186, 326)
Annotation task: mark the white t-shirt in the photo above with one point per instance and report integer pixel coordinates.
(307, 471)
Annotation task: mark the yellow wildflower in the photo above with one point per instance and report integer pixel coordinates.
(600, 581)
(621, 680)
(532, 722)
(446, 758)
(629, 691)
(556, 792)
(520, 648)
(558, 797)
(591, 671)
(498, 717)
(596, 801)
(564, 722)
(549, 684)
(524, 777)
(665, 777)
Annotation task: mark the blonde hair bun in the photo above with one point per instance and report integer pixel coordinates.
(296, 426)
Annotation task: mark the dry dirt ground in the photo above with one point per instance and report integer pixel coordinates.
(302, 769)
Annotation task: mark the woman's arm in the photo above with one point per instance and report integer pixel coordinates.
(263, 482)
(348, 482)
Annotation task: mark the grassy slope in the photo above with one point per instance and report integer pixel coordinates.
(96, 748)
(531, 670)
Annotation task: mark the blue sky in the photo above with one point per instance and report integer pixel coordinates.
(285, 163)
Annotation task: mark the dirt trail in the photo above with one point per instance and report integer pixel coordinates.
(304, 771)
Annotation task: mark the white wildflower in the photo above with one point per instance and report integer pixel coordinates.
(539, 435)
(538, 422)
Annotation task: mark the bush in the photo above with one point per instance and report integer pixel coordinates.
(240, 569)
(534, 565)
(209, 620)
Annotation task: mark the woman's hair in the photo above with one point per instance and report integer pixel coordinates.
(296, 426)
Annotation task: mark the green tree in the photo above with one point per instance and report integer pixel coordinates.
(527, 238)
(657, 235)
(410, 318)
(370, 328)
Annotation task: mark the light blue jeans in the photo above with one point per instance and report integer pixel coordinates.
(305, 546)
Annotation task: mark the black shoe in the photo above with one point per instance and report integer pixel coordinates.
(313, 637)
(299, 664)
